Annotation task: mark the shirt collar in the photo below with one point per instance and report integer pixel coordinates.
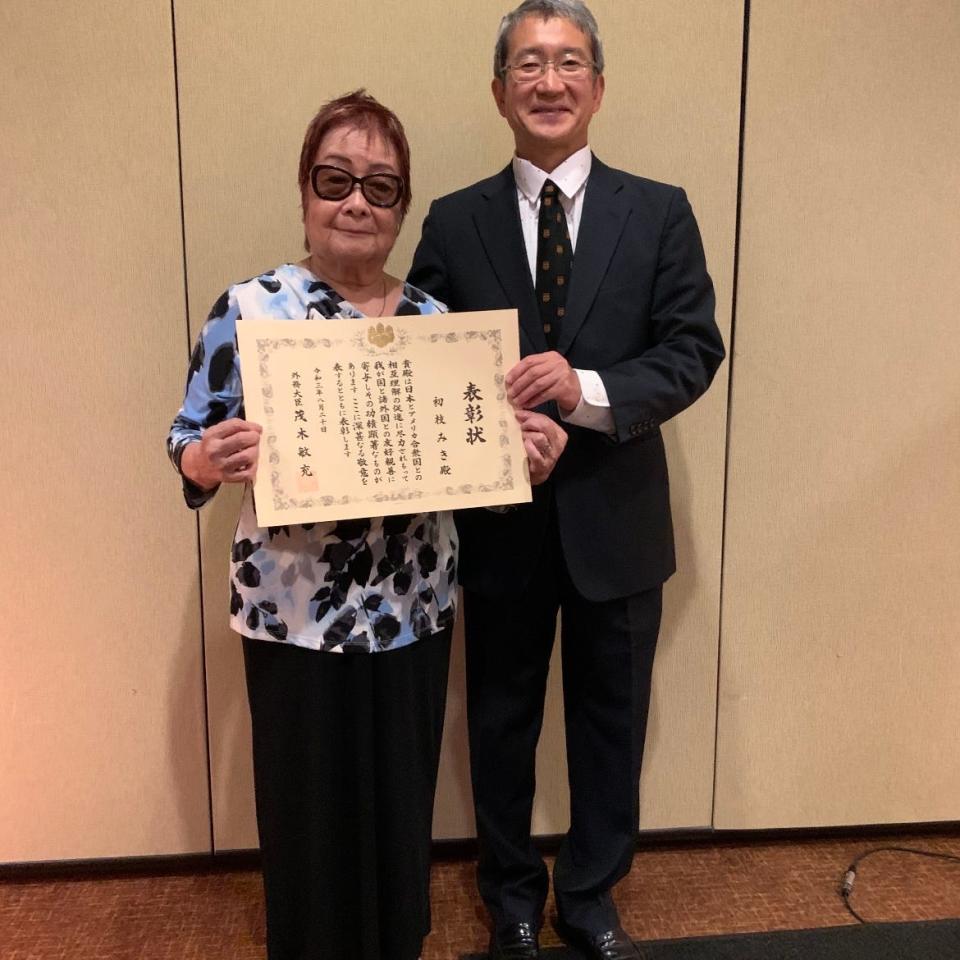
(569, 177)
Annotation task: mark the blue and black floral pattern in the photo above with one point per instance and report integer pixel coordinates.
(353, 586)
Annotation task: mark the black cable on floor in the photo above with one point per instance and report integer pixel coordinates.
(846, 885)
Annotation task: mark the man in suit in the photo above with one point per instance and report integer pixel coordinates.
(617, 334)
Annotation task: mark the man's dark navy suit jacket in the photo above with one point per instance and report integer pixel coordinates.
(640, 311)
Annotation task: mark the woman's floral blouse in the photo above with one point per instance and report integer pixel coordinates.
(350, 586)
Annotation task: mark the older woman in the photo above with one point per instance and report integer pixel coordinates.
(345, 747)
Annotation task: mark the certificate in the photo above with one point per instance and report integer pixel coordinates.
(381, 416)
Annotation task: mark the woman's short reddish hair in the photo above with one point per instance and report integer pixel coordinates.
(357, 109)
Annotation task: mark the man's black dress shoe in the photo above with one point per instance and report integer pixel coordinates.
(610, 945)
(515, 941)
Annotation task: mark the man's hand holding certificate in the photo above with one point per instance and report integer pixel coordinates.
(386, 416)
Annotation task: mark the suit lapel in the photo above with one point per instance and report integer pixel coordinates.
(601, 225)
(498, 223)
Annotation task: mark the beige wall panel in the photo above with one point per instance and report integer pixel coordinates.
(840, 662)
(102, 745)
(251, 75)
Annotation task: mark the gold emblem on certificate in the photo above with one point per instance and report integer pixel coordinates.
(405, 415)
(381, 336)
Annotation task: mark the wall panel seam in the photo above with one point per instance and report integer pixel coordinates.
(730, 374)
(186, 321)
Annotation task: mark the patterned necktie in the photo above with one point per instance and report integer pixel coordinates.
(554, 262)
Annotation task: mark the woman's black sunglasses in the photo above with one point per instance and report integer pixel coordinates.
(334, 183)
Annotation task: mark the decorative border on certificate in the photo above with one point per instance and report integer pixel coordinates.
(379, 418)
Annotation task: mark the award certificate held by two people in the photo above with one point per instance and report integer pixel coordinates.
(398, 415)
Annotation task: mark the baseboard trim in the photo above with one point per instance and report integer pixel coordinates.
(462, 849)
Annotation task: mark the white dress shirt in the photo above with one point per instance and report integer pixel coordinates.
(593, 411)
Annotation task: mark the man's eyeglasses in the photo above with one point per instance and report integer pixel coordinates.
(532, 68)
(378, 189)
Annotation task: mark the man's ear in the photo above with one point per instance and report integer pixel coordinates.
(496, 88)
(598, 89)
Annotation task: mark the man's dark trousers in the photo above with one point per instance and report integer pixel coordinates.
(607, 651)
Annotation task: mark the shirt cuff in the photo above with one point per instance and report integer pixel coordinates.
(593, 411)
(194, 496)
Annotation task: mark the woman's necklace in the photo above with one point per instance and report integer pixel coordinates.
(383, 288)
(383, 299)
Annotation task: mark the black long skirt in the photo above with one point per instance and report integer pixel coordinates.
(345, 754)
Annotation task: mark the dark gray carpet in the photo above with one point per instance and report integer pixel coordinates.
(931, 940)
